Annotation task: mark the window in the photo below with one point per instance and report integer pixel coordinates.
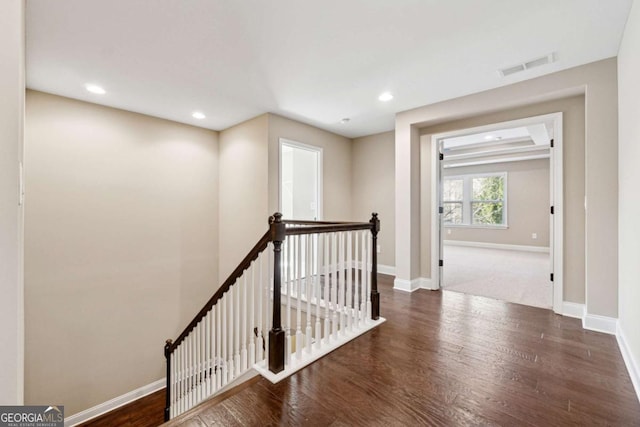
(475, 200)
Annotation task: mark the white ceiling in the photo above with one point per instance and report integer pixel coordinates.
(537, 134)
(313, 61)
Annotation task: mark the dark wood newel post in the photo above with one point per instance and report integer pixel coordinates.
(375, 295)
(167, 355)
(276, 334)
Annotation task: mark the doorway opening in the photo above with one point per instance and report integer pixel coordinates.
(497, 231)
(300, 181)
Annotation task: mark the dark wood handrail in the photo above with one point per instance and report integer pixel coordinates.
(237, 273)
(329, 228)
(309, 222)
(277, 233)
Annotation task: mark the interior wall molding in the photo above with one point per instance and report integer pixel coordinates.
(572, 309)
(387, 269)
(114, 403)
(427, 283)
(633, 366)
(406, 285)
(597, 323)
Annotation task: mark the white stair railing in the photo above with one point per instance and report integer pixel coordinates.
(304, 289)
(225, 339)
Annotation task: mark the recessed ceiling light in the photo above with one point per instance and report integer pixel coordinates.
(345, 120)
(489, 137)
(386, 96)
(95, 89)
(198, 115)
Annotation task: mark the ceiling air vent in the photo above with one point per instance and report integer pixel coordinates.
(543, 60)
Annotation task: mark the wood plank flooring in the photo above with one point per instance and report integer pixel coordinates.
(445, 359)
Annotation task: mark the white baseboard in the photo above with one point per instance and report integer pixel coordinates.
(406, 285)
(594, 322)
(526, 248)
(414, 284)
(387, 269)
(632, 363)
(572, 309)
(114, 403)
(426, 283)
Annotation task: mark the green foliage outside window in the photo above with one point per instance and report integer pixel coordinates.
(481, 204)
(487, 204)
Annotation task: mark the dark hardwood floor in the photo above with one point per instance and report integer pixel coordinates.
(145, 412)
(442, 359)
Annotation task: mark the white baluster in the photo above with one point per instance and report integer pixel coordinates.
(194, 367)
(289, 287)
(349, 282)
(196, 376)
(180, 385)
(212, 355)
(327, 285)
(307, 290)
(252, 313)
(206, 355)
(341, 282)
(238, 327)
(243, 314)
(368, 274)
(317, 277)
(363, 278)
(175, 369)
(299, 273)
(199, 370)
(185, 375)
(261, 300)
(225, 338)
(219, 344)
(190, 371)
(334, 285)
(178, 394)
(268, 304)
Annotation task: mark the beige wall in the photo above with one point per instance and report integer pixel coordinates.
(244, 209)
(120, 245)
(11, 215)
(373, 188)
(573, 110)
(336, 152)
(629, 179)
(598, 82)
(527, 205)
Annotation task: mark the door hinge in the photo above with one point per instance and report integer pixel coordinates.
(441, 210)
(552, 143)
(551, 210)
(441, 156)
(440, 263)
(552, 277)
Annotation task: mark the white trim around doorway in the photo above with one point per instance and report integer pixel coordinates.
(308, 147)
(556, 177)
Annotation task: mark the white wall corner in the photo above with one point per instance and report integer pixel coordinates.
(597, 323)
(572, 309)
(427, 283)
(406, 285)
(387, 269)
(632, 363)
(114, 403)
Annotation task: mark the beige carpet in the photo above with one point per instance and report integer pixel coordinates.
(514, 276)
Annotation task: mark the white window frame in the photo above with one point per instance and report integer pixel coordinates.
(467, 201)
